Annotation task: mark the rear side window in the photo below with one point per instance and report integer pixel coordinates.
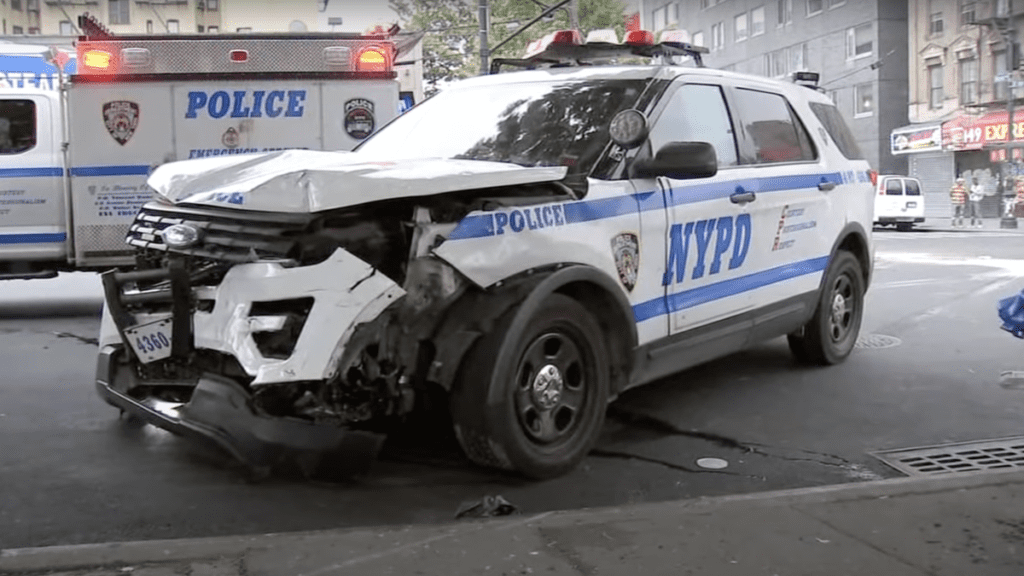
(833, 121)
(17, 126)
(893, 187)
(913, 188)
(777, 134)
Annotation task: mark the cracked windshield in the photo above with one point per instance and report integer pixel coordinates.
(492, 286)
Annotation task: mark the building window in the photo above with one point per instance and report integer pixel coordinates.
(718, 36)
(212, 5)
(173, 27)
(32, 6)
(149, 26)
(118, 12)
(757, 21)
(815, 6)
(1002, 7)
(213, 29)
(858, 41)
(34, 31)
(797, 57)
(835, 3)
(785, 12)
(935, 95)
(999, 69)
(17, 30)
(969, 81)
(665, 16)
(698, 39)
(244, 29)
(967, 15)
(740, 27)
(199, 28)
(65, 28)
(935, 24)
(778, 63)
(864, 100)
(16, 5)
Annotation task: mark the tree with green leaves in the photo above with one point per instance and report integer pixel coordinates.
(591, 15)
(451, 45)
(451, 40)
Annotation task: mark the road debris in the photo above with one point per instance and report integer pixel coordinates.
(488, 507)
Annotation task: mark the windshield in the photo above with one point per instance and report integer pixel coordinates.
(555, 123)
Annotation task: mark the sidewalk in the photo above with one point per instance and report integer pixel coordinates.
(950, 525)
(946, 225)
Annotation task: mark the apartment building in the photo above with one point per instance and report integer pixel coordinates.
(858, 46)
(960, 89)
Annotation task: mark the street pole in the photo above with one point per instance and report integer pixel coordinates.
(1008, 221)
(574, 15)
(485, 53)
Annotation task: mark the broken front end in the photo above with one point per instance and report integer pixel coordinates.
(276, 333)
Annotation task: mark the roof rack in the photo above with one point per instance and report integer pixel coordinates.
(565, 49)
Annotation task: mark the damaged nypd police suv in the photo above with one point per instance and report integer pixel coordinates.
(525, 246)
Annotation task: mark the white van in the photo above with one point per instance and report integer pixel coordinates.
(898, 202)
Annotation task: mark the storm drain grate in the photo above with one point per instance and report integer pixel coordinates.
(876, 341)
(960, 457)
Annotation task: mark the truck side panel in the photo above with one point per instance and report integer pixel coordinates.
(118, 132)
(32, 220)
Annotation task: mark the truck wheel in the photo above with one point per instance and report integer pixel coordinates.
(904, 226)
(533, 402)
(830, 335)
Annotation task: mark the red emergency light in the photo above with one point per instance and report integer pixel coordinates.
(639, 38)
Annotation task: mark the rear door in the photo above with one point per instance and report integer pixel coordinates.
(914, 200)
(889, 203)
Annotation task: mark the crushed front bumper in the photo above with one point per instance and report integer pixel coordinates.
(220, 411)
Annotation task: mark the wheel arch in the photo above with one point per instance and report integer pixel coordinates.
(513, 301)
(854, 239)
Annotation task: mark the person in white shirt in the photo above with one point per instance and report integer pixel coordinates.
(976, 194)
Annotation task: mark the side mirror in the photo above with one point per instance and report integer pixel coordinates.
(679, 161)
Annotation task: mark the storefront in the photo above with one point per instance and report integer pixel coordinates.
(928, 162)
(978, 144)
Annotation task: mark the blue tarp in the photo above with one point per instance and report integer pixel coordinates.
(1011, 312)
(28, 71)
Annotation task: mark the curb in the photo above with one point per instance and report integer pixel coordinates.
(84, 556)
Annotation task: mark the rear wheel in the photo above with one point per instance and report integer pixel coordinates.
(904, 226)
(534, 402)
(831, 334)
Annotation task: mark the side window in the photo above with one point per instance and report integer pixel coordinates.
(777, 134)
(17, 126)
(697, 113)
(893, 187)
(830, 118)
(913, 188)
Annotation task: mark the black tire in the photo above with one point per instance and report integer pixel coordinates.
(904, 227)
(831, 334)
(534, 402)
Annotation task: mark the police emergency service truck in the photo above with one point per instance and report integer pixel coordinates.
(73, 169)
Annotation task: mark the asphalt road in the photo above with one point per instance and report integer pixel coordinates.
(72, 472)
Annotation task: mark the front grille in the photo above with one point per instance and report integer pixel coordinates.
(227, 236)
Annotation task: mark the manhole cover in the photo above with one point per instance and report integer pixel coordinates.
(960, 457)
(875, 341)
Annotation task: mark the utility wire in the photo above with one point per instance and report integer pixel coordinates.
(873, 66)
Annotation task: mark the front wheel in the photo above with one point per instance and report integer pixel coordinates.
(534, 402)
(831, 334)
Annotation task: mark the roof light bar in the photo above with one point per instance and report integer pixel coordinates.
(607, 36)
(136, 57)
(556, 38)
(97, 59)
(674, 36)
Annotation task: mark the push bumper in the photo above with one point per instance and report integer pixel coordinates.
(220, 411)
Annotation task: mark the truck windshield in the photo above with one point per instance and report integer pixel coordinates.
(555, 123)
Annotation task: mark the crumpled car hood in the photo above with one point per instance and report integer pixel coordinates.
(305, 181)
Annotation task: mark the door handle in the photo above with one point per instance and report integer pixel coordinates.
(826, 186)
(740, 197)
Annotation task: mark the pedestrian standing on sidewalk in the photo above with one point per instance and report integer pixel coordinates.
(958, 198)
(974, 196)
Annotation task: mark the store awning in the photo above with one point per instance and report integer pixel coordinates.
(968, 132)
